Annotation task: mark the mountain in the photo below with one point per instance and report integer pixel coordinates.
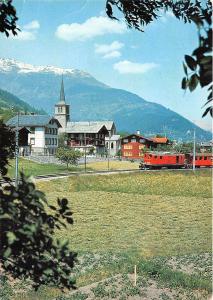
(10, 105)
(92, 100)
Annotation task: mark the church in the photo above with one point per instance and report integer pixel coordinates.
(89, 135)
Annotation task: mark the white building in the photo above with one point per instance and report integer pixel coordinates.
(43, 132)
(113, 144)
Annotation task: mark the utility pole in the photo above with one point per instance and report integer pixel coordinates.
(17, 151)
(194, 152)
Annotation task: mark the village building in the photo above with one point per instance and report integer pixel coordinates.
(38, 133)
(206, 146)
(83, 135)
(113, 144)
(132, 146)
(87, 136)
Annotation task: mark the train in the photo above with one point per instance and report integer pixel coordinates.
(159, 160)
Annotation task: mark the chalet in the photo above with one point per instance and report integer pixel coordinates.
(40, 133)
(89, 134)
(132, 146)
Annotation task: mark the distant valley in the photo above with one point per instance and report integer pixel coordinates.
(10, 105)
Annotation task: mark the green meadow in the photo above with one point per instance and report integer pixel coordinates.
(158, 221)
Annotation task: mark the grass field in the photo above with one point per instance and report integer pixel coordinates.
(113, 165)
(151, 213)
(160, 221)
(33, 168)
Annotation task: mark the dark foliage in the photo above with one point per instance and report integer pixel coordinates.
(28, 248)
(139, 13)
(7, 147)
(8, 18)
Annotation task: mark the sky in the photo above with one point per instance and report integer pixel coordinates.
(78, 34)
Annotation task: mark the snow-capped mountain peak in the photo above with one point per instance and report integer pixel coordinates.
(8, 65)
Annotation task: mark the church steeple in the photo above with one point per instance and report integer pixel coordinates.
(62, 110)
(62, 95)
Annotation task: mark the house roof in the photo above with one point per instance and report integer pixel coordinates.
(84, 127)
(137, 135)
(161, 140)
(107, 124)
(31, 121)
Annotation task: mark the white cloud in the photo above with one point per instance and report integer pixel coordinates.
(109, 50)
(95, 26)
(128, 67)
(24, 36)
(34, 25)
(106, 48)
(112, 54)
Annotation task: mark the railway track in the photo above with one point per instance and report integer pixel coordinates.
(103, 172)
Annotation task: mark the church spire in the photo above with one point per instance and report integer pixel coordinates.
(62, 95)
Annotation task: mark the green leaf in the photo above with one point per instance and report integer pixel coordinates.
(69, 220)
(64, 202)
(6, 217)
(193, 82)
(7, 252)
(184, 83)
(191, 63)
(185, 69)
(48, 272)
(208, 110)
(11, 237)
(52, 207)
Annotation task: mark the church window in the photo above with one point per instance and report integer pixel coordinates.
(32, 141)
(112, 146)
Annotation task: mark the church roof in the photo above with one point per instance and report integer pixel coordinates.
(31, 120)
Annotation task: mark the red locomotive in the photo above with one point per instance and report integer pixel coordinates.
(158, 160)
